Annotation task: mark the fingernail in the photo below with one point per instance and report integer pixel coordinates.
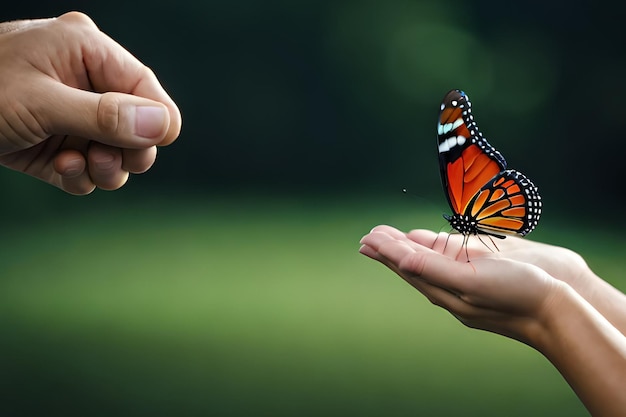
(104, 161)
(149, 121)
(73, 168)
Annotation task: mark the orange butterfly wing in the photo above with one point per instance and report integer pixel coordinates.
(483, 195)
(509, 204)
(467, 174)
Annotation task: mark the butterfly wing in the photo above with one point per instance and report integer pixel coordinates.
(466, 160)
(509, 204)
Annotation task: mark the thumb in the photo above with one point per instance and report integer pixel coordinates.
(116, 119)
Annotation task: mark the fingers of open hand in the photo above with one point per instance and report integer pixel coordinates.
(436, 276)
(450, 245)
(456, 245)
(410, 259)
(383, 246)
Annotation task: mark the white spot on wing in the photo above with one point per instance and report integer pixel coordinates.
(451, 142)
(443, 129)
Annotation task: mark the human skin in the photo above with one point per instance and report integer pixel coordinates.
(76, 109)
(542, 295)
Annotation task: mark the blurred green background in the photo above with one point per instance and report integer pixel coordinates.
(226, 280)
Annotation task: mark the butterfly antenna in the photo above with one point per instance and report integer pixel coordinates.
(426, 201)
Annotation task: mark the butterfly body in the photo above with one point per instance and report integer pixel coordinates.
(485, 196)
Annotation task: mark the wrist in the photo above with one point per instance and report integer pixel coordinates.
(585, 347)
(539, 328)
(557, 318)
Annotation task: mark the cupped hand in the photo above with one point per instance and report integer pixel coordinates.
(76, 109)
(499, 290)
(561, 263)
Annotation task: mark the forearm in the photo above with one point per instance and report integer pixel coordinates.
(608, 300)
(587, 349)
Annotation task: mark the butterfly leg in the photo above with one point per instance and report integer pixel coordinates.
(465, 241)
(494, 244)
(486, 245)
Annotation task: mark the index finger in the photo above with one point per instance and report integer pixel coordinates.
(417, 261)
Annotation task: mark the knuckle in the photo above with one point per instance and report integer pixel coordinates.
(413, 264)
(108, 114)
(146, 72)
(20, 127)
(78, 18)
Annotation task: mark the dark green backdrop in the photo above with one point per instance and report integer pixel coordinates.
(304, 96)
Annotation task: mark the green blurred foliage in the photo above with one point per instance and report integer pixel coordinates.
(207, 307)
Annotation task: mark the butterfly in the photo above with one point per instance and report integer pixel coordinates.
(485, 197)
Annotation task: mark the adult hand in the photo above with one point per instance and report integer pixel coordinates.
(559, 263)
(76, 109)
(492, 292)
(542, 295)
